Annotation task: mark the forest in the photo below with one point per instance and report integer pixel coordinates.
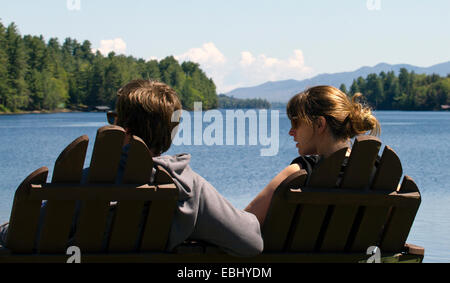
(37, 75)
(227, 102)
(407, 91)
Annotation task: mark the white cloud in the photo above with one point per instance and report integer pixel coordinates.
(298, 61)
(117, 45)
(267, 61)
(207, 55)
(246, 59)
(249, 70)
(264, 68)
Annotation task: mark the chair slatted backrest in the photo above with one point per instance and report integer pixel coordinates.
(24, 219)
(142, 212)
(104, 165)
(59, 215)
(356, 177)
(348, 211)
(129, 213)
(277, 226)
(312, 216)
(386, 178)
(401, 218)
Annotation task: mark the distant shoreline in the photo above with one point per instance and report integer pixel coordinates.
(40, 112)
(79, 111)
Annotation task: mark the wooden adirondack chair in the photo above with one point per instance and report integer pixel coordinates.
(311, 220)
(143, 211)
(337, 213)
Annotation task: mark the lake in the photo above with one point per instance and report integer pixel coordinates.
(239, 172)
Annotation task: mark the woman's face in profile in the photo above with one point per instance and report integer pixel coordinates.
(304, 136)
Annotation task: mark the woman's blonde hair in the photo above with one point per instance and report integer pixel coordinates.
(345, 117)
(145, 108)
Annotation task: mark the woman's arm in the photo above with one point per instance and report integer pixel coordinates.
(260, 205)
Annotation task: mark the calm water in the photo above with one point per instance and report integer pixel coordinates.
(421, 139)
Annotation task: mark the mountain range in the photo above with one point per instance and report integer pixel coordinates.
(282, 91)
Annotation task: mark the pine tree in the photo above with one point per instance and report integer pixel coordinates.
(113, 81)
(343, 88)
(4, 88)
(86, 51)
(391, 89)
(354, 88)
(96, 94)
(151, 71)
(373, 90)
(38, 64)
(17, 94)
(172, 73)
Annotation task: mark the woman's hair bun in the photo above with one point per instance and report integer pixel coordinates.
(361, 118)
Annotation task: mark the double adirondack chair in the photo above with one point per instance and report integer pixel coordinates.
(328, 216)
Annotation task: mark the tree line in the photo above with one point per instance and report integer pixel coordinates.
(407, 91)
(40, 75)
(227, 102)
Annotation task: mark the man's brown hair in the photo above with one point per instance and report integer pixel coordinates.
(145, 109)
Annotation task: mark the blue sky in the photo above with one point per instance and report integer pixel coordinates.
(246, 42)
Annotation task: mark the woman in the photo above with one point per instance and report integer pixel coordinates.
(323, 120)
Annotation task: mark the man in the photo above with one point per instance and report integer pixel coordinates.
(146, 109)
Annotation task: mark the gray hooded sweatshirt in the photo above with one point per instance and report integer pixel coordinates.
(204, 214)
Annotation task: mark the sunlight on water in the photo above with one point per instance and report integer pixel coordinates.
(397, 124)
(74, 125)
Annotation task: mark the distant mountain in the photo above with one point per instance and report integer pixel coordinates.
(281, 91)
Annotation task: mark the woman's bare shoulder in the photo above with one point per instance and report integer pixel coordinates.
(289, 170)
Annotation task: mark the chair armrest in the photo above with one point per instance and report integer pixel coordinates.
(414, 250)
